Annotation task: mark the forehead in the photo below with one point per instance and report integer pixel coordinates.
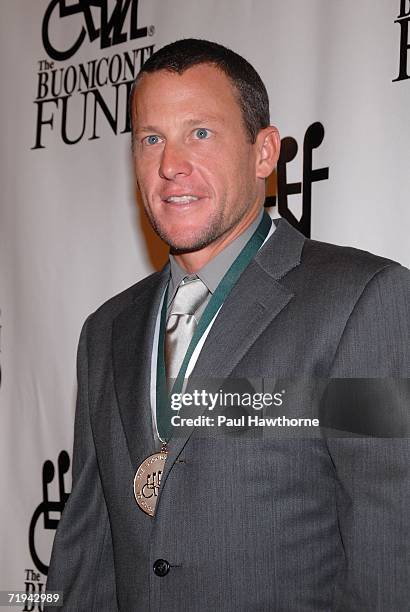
(202, 89)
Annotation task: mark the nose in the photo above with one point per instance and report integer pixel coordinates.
(174, 161)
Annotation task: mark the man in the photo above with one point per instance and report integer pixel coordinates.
(242, 518)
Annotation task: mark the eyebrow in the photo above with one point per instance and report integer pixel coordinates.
(147, 128)
(203, 120)
(188, 122)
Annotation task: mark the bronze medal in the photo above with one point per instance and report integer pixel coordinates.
(147, 481)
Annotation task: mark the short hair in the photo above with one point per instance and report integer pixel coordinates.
(187, 52)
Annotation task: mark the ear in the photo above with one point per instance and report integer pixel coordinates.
(268, 148)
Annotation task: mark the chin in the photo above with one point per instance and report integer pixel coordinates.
(183, 239)
(184, 245)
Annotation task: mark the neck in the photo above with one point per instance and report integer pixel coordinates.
(195, 260)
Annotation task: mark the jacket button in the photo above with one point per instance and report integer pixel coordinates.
(161, 567)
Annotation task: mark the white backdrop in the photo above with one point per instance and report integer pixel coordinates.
(71, 232)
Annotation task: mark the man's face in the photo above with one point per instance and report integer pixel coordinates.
(195, 167)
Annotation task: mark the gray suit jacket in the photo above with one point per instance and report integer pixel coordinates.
(248, 520)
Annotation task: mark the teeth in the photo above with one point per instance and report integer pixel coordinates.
(182, 199)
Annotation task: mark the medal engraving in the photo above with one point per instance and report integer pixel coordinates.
(147, 481)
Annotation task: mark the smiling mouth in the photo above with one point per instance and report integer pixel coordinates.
(184, 199)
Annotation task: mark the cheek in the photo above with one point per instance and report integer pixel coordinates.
(221, 167)
(236, 172)
(235, 160)
(147, 176)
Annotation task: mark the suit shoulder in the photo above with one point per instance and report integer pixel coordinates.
(359, 266)
(113, 306)
(329, 274)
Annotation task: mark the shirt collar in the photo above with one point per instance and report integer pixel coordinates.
(213, 272)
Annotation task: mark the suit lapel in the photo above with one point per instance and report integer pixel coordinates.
(133, 332)
(254, 302)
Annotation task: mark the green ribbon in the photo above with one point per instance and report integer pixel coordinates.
(164, 411)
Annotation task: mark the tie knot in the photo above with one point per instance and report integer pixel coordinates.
(191, 294)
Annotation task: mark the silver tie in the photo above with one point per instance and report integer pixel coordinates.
(182, 323)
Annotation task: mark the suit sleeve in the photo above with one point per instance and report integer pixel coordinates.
(368, 438)
(82, 564)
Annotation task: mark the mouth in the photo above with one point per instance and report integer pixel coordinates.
(182, 199)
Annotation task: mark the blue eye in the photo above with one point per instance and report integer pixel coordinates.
(152, 140)
(202, 133)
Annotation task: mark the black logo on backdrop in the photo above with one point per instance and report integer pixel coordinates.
(77, 101)
(34, 586)
(111, 27)
(289, 147)
(46, 506)
(403, 20)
